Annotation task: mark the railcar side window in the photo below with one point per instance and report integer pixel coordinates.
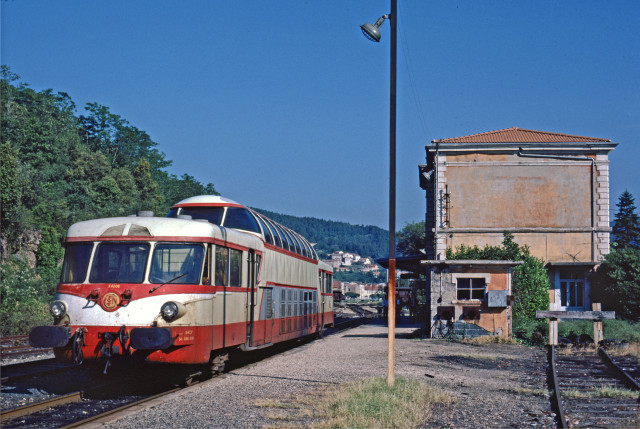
(307, 250)
(240, 218)
(235, 267)
(206, 272)
(76, 262)
(173, 260)
(265, 229)
(276, 234)
(222, 266)
(119, 263)
(228, 267)
(296, 242)
(286, 238)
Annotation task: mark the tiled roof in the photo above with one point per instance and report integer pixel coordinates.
(519, 135)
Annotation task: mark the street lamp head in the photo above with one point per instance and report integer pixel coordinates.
(372, 31)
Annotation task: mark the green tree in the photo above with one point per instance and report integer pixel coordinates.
(123, 144)
(150, 198)
(411, 239)
(616, 283)
(176, 189)
(626, 227)
(23, 298)
(15, 216)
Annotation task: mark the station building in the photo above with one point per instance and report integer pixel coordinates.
(550, 190)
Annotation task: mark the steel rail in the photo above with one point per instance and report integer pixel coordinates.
(619, 374)
(556, 397)
(34, 407)
(628, 379)
(120, 409)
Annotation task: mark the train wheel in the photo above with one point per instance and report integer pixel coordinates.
(218, 362)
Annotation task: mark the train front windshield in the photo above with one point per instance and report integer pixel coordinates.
(176, 261)
(115, 262)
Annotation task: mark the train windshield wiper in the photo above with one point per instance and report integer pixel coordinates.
(170, 281)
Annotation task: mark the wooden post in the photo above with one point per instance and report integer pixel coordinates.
(553, 331)
(597, 325)
(596, 315)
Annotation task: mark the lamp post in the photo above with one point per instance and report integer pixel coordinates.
(372, 32)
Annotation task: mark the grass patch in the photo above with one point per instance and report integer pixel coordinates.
(532, 392)
(365, 404)
(490, 339)
(603, 392)
(371, 403)
(632, 349)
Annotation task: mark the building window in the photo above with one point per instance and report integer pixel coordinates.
(471, 288)
(571, 289)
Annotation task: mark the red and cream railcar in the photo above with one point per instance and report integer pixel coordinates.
(211, 277)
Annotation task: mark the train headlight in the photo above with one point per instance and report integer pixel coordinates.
(171, 310)
(58, 309)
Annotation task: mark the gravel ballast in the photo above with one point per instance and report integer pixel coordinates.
(495, 385)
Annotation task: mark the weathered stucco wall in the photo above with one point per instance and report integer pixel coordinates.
(519, 196)
(565, 247)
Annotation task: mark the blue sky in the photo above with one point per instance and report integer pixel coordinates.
(284, 105)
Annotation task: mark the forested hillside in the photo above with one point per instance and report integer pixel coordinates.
(330, 236)
(59, 167)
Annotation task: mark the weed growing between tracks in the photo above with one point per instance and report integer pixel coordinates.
(631, 350)
(369, 403)
(602, 392)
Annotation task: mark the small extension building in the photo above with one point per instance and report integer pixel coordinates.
(550, 190)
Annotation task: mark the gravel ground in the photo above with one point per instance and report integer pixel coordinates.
(12, 360)
(490, 385)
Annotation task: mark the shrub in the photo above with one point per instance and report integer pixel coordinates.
(24, 298)
(615, 329)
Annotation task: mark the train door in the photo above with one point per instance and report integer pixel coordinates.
(268, 314)
(258, 333)
(322, 280)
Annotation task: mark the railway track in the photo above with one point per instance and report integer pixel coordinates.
(589, 391)
(99, 398)
(13, 372)
(18, 347)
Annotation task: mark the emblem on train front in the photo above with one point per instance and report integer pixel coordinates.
(110, 301)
